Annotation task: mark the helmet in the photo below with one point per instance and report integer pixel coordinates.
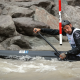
(65, 22)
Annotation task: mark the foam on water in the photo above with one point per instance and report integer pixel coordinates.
(40, 65)
(23, 67)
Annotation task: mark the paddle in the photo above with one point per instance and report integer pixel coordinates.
(57, 53)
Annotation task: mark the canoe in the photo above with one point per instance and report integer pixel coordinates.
(13, 54)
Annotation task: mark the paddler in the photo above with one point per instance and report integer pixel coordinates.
(73, 35)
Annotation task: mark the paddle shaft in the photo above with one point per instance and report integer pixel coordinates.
(50, 45)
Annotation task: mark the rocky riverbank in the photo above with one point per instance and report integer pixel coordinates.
(19, 17)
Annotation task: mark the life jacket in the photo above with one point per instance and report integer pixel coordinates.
(71, 39)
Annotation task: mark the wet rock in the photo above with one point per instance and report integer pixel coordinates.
(7, 27)
(17, 40)
(25, 25)
(15, 11)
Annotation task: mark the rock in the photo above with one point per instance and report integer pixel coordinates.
(72, 14)
(15, 0)
(2, 38)
(74, 2)
(0, 11)
(20, 0)
(25, 25)
(15, 11)
(70, 2)
(7, 27)
(46, 4)
(17, 40)
(40, 3)
(43, 16)
(1, 8)
(64, 38)
(38, 41)
(22, 4)
(14, 47)
(55, 9)
(1, 47)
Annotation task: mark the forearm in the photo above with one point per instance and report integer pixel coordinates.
(74, 51)
(50, 31)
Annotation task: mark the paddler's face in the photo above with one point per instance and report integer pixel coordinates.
(67, 29)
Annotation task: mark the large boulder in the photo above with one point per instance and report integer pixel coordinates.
(15, 11)
(43, 16)
(25, 25)
(17, 41)
(72, 14)
(7, 27)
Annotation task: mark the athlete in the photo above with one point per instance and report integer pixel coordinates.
(73, 35)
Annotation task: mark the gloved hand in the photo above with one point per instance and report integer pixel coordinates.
(62, 56)
(35, 30)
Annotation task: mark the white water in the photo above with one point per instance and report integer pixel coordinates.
(39, 68)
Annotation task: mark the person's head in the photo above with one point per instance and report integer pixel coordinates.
(66, 26)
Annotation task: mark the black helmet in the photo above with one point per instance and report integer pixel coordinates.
(65, 22)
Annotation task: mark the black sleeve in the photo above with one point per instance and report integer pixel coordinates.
(76, 37)
(51, 31)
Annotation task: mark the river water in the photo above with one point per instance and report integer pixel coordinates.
(40, 69)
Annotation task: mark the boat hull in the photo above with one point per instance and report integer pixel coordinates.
(45, 54)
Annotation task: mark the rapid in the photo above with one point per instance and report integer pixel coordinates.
(39, 68)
